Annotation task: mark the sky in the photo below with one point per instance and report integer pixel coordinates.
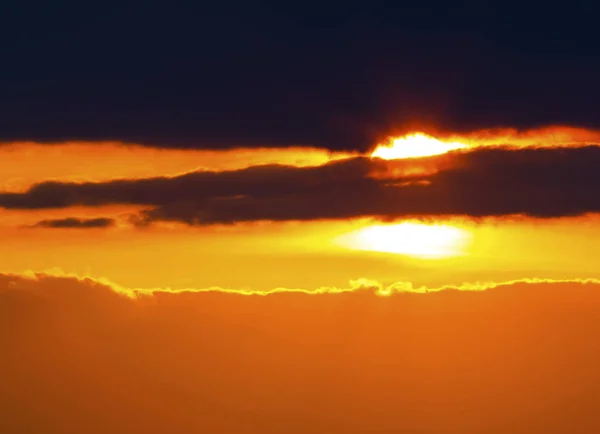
(266, 218)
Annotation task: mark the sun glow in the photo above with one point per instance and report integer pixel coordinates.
(414, 146)
(410, 238)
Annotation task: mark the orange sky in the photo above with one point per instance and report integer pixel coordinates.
(22, 164)
(267, 255)
(297, 218)
(450, 324)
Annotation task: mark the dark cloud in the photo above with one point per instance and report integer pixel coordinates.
(256, 181)
(327, 76)
(548, 182)
(76, 223)
(77, 357)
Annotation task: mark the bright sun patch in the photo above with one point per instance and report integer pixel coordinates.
(412, 239)
(414, 146)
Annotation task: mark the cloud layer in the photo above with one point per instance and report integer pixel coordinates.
(80, 357)
(267, 79)
(538, 182)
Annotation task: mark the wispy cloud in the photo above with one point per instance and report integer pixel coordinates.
(75, 223)
(356, 285)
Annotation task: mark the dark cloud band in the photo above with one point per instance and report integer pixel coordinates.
(546, 182)
(75, 223)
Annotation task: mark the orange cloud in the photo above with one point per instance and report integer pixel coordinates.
(419, 144)
(357, 285)
(549, 136)
(78, 357)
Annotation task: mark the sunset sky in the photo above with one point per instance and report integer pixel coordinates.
(265, 219)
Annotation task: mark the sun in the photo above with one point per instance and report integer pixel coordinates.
(414, 146)
(410, 238)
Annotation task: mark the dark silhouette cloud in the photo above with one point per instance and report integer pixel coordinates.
(542, 182)
(315, 75)
(75, 223)
(78, 357)
(256, 181)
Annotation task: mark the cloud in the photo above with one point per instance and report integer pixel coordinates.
(538, 182)
(263, 180)
(75, 223)
(267, 78)
(355, 286)
(80, 355)
(355, 96)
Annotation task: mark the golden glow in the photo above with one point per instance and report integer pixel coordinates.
(413, 146)
(269, 255)
(356, 285)
(546, 137)
(24, 164)
(278, 254)
(419, 144)
(409, 238)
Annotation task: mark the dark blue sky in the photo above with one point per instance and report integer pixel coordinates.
(331, 75)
